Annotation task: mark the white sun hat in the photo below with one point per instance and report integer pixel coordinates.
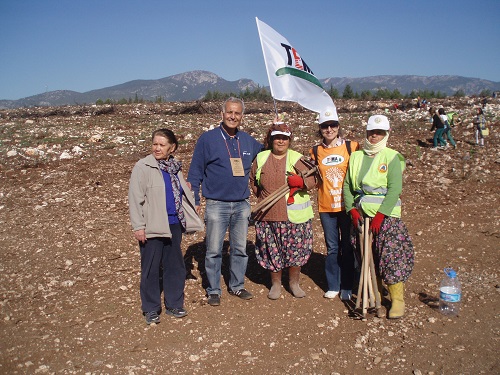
(378, 122)
(328, 114)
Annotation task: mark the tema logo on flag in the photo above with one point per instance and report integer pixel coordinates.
(297, 66)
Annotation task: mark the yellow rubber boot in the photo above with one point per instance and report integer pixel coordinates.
(397, 300)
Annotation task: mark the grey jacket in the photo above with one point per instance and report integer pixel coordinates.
(146, 198)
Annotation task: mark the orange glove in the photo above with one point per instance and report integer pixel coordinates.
(356, 218)
(377, 222)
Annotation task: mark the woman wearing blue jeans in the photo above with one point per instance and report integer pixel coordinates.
(332, 158)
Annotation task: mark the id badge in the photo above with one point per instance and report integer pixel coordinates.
(237, 166)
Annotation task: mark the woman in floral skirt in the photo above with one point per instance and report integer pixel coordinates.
(372, 188)
(284, 231)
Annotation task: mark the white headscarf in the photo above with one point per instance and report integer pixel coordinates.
(372, 149)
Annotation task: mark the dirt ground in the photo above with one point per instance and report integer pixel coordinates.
(69, 266)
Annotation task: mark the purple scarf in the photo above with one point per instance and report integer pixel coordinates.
(172, 167)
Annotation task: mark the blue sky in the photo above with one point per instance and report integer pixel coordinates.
(84, 45)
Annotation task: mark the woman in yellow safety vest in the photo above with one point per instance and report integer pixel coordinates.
(372, 188)
(284, 235)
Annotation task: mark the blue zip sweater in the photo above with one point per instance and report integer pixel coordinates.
(211, 167)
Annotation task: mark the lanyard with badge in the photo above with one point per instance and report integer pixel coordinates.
(236, 163)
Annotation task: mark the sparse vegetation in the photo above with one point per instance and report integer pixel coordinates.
(70, 265)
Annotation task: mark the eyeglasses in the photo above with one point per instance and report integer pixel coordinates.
(326, 126)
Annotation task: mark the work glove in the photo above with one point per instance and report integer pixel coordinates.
(291, 199)
(356, 218)
(377, 222)
(295, 181)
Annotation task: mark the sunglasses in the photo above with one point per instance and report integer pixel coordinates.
(326, 126)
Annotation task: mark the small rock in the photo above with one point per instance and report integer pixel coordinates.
(65, 155)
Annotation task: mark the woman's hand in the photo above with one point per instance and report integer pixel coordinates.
(356, 218)
(140, 235)
(377, 222)
(295, 181)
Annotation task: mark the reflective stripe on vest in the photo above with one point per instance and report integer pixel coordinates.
(299, 206)
(301, 210)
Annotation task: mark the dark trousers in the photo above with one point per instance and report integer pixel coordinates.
(164, 255)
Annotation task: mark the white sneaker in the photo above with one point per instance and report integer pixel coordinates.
(433, 149)
(331, 294)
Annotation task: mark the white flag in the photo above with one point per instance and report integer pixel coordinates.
(289, 76)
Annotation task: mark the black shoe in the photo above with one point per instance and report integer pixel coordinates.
(242, 293)
(177, 313)
(214, 300)
(152, 317)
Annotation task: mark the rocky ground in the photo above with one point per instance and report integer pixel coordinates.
(69, 266)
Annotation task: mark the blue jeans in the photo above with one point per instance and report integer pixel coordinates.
(219, 216)
(339, 263)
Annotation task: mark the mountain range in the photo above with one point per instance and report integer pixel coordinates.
(194, 85)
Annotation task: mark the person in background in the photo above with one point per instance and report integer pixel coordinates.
(332, 157)
(284, 232)
(480, 124)
(372, 188)
(156, 191)
(221, 163)
(447, 127)
(439, 126)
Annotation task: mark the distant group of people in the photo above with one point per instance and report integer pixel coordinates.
(442, 124)
(354, 181)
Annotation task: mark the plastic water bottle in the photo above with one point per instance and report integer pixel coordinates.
(450, 293)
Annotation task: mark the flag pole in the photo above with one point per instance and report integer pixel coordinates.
(275, 108)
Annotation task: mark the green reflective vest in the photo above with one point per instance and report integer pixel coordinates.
(301, 210)
(370, 190)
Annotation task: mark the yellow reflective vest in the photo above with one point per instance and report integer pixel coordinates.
(301, 210)
(370, 190)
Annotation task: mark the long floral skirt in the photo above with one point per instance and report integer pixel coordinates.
(392, 250)
(282, 244)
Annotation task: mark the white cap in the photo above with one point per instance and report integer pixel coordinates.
(329, 114)
(378, 122)
(281, 128)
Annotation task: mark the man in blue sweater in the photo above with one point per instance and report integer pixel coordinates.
(221, 163)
